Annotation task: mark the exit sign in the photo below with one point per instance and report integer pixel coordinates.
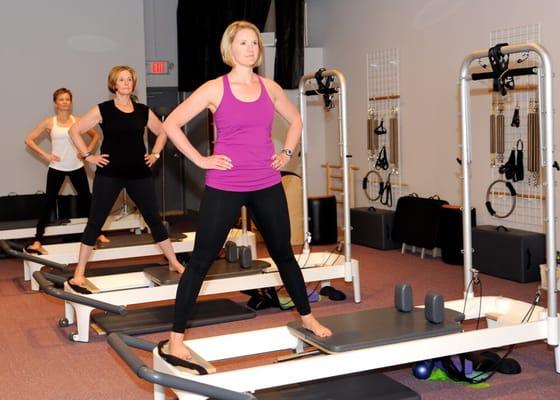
(157, 67)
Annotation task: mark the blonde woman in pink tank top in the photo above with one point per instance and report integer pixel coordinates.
(243, 171)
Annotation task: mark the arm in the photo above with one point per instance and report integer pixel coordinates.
(289, 112)
(82, 126)
(202, 98)
(94, 140)
(156, 127)
(44, 126)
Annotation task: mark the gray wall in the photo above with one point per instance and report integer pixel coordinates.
(160, 25)
(48, 44)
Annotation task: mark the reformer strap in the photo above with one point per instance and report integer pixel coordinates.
(382, 162)
(386, 192)
(499, 63)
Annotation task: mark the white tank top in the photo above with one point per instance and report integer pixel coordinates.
(64, 148)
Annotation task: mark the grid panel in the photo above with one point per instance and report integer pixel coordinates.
(528, 213)
(383, 102)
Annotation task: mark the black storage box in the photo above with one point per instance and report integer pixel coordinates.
(508, 253)
(372, 227)
(322, 219)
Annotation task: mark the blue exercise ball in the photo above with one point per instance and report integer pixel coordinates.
(423, 369)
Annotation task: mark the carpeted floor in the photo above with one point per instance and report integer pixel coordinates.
(38, 361)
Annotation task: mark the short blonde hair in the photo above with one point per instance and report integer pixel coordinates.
(229, 35)
(61, 91)
(114, 74)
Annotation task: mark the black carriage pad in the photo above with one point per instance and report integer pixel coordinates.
(219, 269)
(360, 386)
(28, 223)
(377, 327)
(135, 240)
(160, 318)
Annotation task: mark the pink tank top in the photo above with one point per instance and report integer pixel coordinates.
(244, 135)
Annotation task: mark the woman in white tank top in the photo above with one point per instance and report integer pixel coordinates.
(63, 160)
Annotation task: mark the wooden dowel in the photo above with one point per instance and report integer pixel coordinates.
(521, 195)
(392, 97)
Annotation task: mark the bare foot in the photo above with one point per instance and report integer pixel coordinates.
(103, 239)
(78, 280)
(177, 266)
(37, 246)
(177, 348)
(311, 324)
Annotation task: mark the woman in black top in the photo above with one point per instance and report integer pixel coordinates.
(123, 163)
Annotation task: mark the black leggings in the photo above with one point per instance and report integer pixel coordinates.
(106, 190)
(218, 212)
(55, 179)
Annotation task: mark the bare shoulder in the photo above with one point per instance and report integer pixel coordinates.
(46, 124)
(273, 88)
(212, 91)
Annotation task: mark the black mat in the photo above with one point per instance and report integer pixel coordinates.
(377, 327)
(220, 269)
(158, 319)
(134, 240)
(28, 223)
(361, 386)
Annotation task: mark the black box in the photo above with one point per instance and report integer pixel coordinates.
(322, 219)
(508, 253)
(372, 227)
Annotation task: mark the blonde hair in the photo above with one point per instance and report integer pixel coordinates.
(61, 91)
(229, 35)
(114, 74)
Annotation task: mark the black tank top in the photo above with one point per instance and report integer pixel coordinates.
(123, 140)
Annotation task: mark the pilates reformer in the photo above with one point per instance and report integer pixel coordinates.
(114, 292)
(26, 228)
(67, 253)
(508, 321)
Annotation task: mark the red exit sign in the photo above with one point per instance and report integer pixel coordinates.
(157, 67)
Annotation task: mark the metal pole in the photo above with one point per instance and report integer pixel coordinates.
(303, 112)
(350, 273)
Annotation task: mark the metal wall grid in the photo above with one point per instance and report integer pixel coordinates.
(529, 210)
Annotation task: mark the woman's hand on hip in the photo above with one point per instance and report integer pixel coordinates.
(279, 161)
(52, 158)
(216, 161)
(151, 159)
(99, 160)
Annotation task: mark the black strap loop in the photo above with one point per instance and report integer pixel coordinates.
(382, 162)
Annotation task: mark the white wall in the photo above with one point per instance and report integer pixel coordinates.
(316, 183)
(49, 44)
(433, 37)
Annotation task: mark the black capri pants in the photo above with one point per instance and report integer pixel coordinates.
(55, 179)
(106, 190)
(219, 211)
